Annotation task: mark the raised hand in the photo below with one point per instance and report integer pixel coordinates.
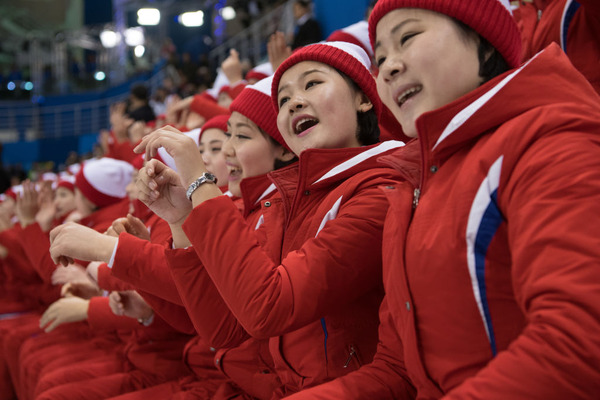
(232, 68)
(278, 49)
(72, 240)
(183, 149)
(137, 130)
(27, 204)
(47, 209)
(161, 190)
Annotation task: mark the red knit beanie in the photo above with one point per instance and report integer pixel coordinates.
(67, 182)
(492, 19)
(260, 72)
(345, 57)
(12, 192)
(254, 103)
(103, 181)
(218, 122)
(357, 34)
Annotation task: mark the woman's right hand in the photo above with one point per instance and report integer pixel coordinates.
(161, 190)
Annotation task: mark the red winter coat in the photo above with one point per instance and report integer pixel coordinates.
(573, 24)
(317, 303)
(36, 242)
(494, 291)
(249, 365)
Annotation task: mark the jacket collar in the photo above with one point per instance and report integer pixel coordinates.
(254, 190)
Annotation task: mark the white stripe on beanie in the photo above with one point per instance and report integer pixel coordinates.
(264, 68)
(506, 5)
(263, 86)
(360, 31)
(353, 50)
(220, 81)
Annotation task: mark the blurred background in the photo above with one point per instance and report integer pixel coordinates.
(63, 63)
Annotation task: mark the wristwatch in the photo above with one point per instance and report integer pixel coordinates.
(206, 177)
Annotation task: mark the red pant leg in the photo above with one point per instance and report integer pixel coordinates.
(42, 348)
(163, 391)
(186, 388)
(12, 333)
(76, 372)
(94, 389)
(35, 365)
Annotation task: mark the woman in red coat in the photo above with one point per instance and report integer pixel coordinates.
(573, 24)
(307, 275)
(251, 150)
(493, 290)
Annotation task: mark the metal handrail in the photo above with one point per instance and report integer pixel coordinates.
(24, 120)
(251, 42)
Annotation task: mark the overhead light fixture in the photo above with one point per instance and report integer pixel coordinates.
(148, 16)
(134, 36)
(228, 13)
(191, 19)
(99, 76)
(139, 51)
(109, 38)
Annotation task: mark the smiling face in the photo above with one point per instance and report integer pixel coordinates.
(424, 61)
(210, 146)
(318, 108)
(64, 201)
(248, 152)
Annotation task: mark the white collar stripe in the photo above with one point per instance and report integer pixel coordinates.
(365, 155)
(269, 190)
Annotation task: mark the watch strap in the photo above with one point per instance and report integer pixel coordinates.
(206, 177)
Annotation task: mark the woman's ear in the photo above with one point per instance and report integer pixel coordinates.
(285, 155)
(363, 104)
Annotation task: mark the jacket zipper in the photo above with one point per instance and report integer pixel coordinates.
(352, 354)
(416, 195)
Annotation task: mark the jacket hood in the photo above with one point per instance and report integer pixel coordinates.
(547, 78)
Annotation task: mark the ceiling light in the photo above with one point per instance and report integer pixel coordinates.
(191, 19)
(148, 16)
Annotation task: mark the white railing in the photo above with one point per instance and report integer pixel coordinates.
(24, 120)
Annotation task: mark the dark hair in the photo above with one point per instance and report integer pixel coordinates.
(139, 91)
(491, 62)
(278, 163)
(367, 131)
(304, 3)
